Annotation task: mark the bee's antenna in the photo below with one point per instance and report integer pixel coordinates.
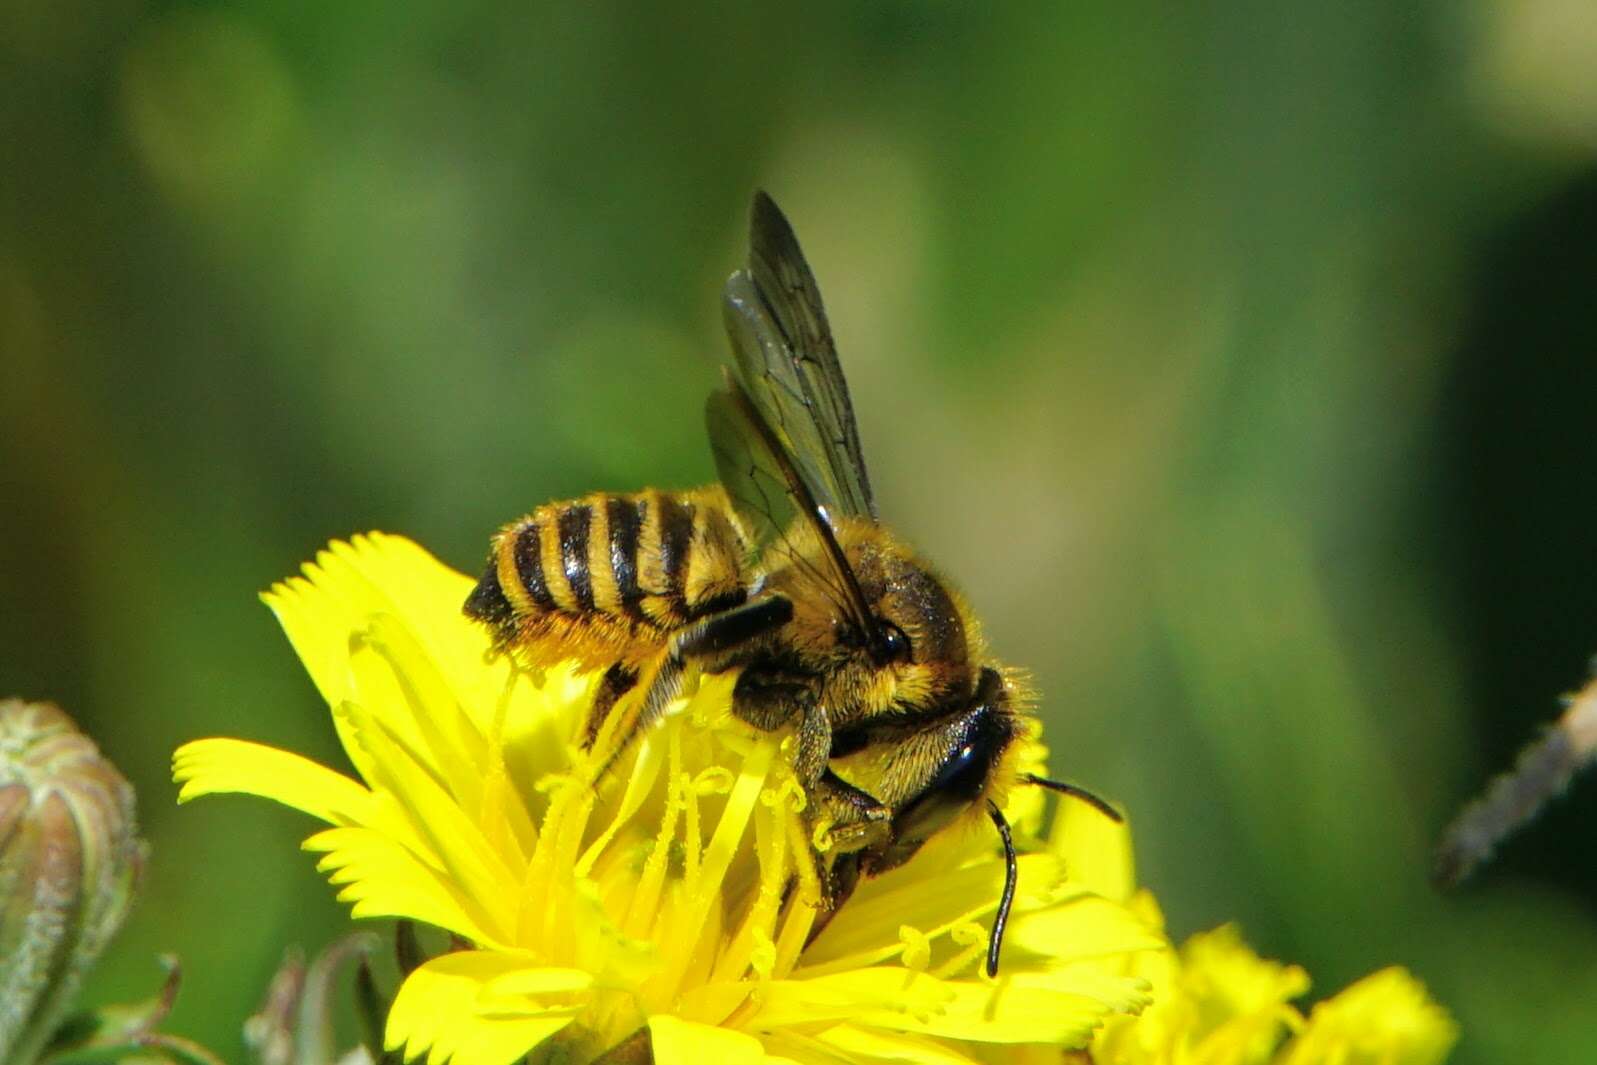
(1011, 874)
(1101, 805)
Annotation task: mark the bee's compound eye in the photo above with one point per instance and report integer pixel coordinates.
(895, 645)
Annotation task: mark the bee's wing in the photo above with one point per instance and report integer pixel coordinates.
(788, 364)
(753, 480)
(770, 494)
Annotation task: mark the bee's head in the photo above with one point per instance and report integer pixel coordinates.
(915, 650)
(944, 773)
(924, 638)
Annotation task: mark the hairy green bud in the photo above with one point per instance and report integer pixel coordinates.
(69, 860)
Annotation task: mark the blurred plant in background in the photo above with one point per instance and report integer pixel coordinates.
(1234, 360)
(1540, 774)
(70, 860)
(298, 1021)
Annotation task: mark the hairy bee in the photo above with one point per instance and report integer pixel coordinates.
(782, 572)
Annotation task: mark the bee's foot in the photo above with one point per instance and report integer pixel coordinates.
(860, 836)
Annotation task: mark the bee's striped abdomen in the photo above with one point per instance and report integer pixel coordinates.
(605, 578)
(624, 519)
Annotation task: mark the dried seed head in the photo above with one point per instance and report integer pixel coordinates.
(69, 861)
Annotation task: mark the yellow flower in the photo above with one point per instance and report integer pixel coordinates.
(1216, 1002)
(1384, 1019)
(674, 900)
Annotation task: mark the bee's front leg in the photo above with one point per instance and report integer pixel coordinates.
(856, 820)
(850, 824)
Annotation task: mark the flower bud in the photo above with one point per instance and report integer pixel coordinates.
(69, 860)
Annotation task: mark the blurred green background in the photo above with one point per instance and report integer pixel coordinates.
(1237, 359)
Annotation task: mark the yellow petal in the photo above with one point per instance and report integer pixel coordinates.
(371, 575)
(1086, 927)
(1095, 850)
(395, 676)
(871, 1045)
(223, 766)
(439, 830)
(427, 597)
(679, 1042)
(1222, 972)
(440, 1011)
(542, 717)
(1023, 1008)
(377, 576)
(866, 931)
(1384, 1019)
(383, 879)
(533, 992)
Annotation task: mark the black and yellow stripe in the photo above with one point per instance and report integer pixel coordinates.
(572, 526)
(623, 524)
(525, 554)
(674, 535)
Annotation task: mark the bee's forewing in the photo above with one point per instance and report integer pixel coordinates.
(788, 363)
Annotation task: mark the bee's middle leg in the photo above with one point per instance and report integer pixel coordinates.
(770, 698)
(769, 701)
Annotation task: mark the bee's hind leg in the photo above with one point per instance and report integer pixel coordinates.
(706, 641)
(616, 682)
(699, 645)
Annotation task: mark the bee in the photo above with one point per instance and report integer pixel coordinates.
(837, 628)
